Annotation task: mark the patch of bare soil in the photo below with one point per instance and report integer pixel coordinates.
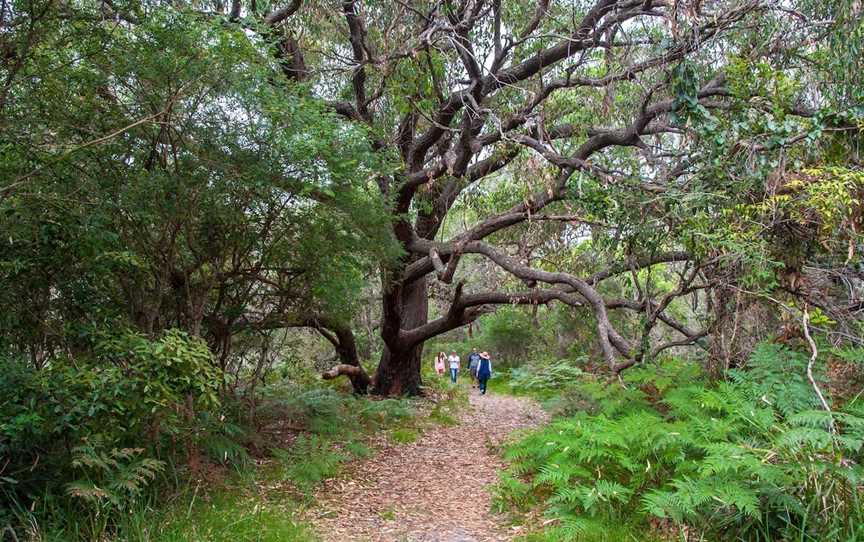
(433, 490)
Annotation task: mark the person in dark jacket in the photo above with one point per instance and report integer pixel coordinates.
(484, 371)
(473, 362)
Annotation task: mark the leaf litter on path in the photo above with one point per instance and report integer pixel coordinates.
(432, 490)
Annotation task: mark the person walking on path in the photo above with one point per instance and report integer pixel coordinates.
(484, 371)
(439, 363)
(454, 366)
(473, 362)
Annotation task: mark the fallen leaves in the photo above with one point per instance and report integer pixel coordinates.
(432, 490)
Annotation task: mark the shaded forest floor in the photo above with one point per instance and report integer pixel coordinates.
(435, 489)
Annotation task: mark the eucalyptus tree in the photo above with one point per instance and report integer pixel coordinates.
(597, 113)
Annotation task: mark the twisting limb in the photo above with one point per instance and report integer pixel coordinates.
(466, 308)
(336, 333)
(279, 15)
(814, 353)
(359, 379)
(610, 340)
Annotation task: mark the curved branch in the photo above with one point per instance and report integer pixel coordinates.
(610, 339)
(359, 379)
(279, 15)
(461, 313)
(336, 333)
(639, 263)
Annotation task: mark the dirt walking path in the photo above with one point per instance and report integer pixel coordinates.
(433, 490)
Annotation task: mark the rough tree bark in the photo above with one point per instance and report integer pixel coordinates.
(398, 370)
(346, 349)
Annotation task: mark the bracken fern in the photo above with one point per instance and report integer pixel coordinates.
(745, 459)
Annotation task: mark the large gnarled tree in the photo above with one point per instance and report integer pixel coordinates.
(465, 92)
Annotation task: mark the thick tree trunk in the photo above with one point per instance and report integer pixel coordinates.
(347, 351)
(342, 339)
(398, 372)
(358, 377)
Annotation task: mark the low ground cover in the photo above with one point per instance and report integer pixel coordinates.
(667, 454)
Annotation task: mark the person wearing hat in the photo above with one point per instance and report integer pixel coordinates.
(484, 371)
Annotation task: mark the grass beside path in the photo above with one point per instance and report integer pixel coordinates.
(313, 435)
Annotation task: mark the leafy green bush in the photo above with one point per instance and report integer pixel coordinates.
(98, 430)
(565, 389)
(508, 333)
(747, 459)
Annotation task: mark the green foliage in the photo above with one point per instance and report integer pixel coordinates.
(223, 441)
(222, 516)
(777, 374)
(94, 428)
(110, 483)
(310, 460)
(167, 372)
(509, 333)
(164, 174)
(135, 385)
(565, 388)
(733, 460)
(539, 378)
(111, 478)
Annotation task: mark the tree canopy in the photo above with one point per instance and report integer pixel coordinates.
(243, 167)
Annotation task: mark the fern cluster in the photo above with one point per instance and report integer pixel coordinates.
(740, 460)
(544, 376)
(111, 478)
(110, 481)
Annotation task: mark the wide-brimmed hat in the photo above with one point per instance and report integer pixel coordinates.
(484, 354)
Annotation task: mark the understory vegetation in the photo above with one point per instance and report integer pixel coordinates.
(666, 453)
(250, 479)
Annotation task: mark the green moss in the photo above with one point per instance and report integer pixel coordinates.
(405, 435)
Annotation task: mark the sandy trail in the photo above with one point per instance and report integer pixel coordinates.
(433, 490)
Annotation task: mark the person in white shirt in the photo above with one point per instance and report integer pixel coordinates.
(454, 366)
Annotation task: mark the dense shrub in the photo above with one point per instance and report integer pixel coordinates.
(99, 430)
(509, 334)
(544, 378)
(749, 459)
